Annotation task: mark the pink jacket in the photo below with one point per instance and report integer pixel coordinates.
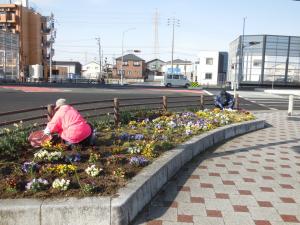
(69, 124)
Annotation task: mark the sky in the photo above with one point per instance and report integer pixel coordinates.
(203, 25)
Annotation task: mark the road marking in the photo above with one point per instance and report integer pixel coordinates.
(177, 90)
(207, 92)
(32, 89)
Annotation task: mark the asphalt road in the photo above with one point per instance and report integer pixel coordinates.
(11, 99)
(16, 97)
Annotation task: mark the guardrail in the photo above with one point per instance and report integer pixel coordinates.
(115, 107)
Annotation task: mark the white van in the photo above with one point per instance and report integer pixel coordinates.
(175, 80)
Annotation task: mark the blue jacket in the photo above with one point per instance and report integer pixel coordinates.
(224, 102)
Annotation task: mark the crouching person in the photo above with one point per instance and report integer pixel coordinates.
(71, 127)
(224, 100)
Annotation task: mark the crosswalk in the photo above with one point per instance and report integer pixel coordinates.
(273, 103)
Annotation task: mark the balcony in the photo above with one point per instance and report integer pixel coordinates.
(8, 18)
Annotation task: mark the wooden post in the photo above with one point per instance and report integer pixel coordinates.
(202, 102)
(116, 112)
(165, 103)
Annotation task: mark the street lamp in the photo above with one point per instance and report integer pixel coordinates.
(123, 34)
(237, 74)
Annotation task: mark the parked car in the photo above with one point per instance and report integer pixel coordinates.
(175, 81)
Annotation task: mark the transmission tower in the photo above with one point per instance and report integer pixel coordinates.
(156, 41)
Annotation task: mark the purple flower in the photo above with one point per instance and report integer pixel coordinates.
(158, 126)
(37, 184)
(30, 167)
(138, 161)
(188, 114)
(124, 137)
(139, 137)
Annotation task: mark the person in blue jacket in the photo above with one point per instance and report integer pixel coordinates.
(224, 100)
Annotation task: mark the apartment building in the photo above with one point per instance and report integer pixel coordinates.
(33, 30)
(134, 68)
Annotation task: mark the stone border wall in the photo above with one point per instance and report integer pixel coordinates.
(130, 200)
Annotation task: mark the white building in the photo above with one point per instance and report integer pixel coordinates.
(210, 68)
(91, 71)
(179, 67)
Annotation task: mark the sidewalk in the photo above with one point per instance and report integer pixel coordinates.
(253, 179)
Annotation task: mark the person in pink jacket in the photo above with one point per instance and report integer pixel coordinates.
(69, 125)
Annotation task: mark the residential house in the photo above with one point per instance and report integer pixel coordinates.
(210, 68)
(91, 71)
(183, 67)
(134, 68)
(154, 70)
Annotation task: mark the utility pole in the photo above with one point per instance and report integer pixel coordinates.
(173, 22)
(100, 58)
(52, 40)
(236, 77)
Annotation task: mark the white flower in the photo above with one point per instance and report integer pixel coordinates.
(93, 171)
(61, 184)
(134, 150)
(172, 124)
(42, 154)
(54, 156)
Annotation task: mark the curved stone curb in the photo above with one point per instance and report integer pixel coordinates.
(130, 200)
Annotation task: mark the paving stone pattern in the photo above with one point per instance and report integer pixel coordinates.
(252, 179)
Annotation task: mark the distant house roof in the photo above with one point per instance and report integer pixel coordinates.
(179, 61)
(130, 57)
(153, 60)
(91, 63)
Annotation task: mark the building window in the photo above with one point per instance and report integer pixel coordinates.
(209, 61)
(257, 63)
(153, 67)
(197, 62)
(208, 76)
(125, 63)
(129, 73)
(136, 63)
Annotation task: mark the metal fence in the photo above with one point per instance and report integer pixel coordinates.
(115, 107)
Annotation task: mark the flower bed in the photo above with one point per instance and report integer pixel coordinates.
(120, 153)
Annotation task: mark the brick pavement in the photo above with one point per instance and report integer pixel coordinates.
(252, 179)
